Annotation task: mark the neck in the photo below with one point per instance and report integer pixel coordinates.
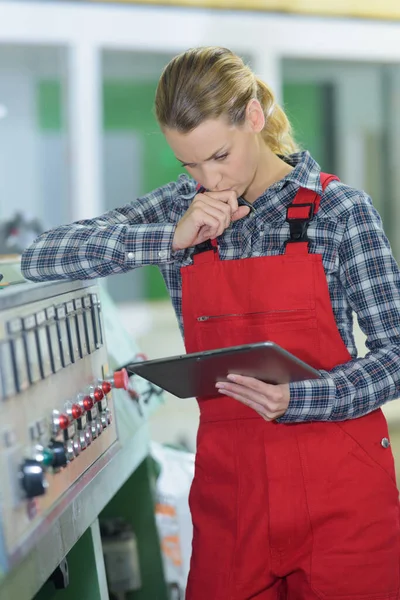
(270, 169)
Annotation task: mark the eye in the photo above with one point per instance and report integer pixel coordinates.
(222, 157)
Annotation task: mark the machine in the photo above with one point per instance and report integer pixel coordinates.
(56, 395)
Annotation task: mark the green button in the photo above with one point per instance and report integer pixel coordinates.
(48, 457)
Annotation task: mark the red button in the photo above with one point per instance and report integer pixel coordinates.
(98, 394)
(76, 411)
(106, 387)
(87, 403)
(121, 379)
(63, 421)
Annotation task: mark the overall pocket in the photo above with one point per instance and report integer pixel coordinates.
(372, 446)
(354, 510)
(294, 330)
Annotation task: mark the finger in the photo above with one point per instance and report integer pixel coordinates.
(241, 212)
(217, 212)
(209, 203)
(246, 392)
(206, 198)
(244, 400)
(209, 227)
(227, 196)
(254, 384)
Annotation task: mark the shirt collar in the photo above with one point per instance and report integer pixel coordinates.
(306, 172)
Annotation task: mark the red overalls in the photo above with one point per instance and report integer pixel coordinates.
(299, 511)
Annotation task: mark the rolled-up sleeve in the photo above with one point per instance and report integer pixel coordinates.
(137, 234)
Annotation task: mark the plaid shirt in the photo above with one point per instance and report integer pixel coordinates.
(361, 272)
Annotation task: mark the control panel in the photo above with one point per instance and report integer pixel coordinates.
(56, 405)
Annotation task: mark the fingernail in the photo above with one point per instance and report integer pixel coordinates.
(232, 377)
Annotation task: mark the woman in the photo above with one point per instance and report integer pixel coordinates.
(294, 494)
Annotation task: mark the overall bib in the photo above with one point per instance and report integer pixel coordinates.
(284, 511)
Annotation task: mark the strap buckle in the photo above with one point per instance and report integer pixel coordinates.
(298, 225)
(204, 247)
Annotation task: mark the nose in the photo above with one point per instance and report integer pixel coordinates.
(211, 177)
(212, 181)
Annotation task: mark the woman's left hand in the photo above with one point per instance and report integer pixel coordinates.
(270, 401)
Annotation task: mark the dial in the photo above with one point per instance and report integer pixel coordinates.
(32, 478)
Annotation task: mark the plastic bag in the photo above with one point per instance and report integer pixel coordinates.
(173, 519)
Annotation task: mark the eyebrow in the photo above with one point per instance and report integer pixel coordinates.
(210, 158)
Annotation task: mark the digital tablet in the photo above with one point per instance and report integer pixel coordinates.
(195, 375)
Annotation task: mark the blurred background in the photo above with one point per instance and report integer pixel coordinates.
(78, 135)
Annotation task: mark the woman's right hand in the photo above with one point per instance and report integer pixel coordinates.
(208, 216)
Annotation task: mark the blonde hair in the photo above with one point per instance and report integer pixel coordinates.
(209, 82)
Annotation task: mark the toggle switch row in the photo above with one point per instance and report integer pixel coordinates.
(72, 432)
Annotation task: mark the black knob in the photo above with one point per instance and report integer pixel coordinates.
(32, 478)
(59, 455)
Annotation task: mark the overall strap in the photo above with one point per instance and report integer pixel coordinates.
(302, 209)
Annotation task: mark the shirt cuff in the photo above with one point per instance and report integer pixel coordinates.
(310, 400)
(152, 245)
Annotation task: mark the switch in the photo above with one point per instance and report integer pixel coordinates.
(88, 436)
(60, 421)
(9, 438)
(55, 455)
(99, 427)
(93, 430)
(109, 416)
(74, 412)
(42, 427)
(106, 387)
(98, 394)
(69, 450)
(81, 422)
(102, 405)
(77, 445)
(87, 403)
(92, 414)
(120, 379)
(82, 440)
(32, 478)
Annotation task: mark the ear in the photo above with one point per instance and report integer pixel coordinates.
(255, 116)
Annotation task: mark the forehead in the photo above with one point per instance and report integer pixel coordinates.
(200, 143)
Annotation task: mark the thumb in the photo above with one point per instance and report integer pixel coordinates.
(241, 212)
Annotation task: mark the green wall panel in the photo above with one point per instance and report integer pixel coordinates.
(302, 104)
(49, 105)
(127, 106)
(311, 110)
